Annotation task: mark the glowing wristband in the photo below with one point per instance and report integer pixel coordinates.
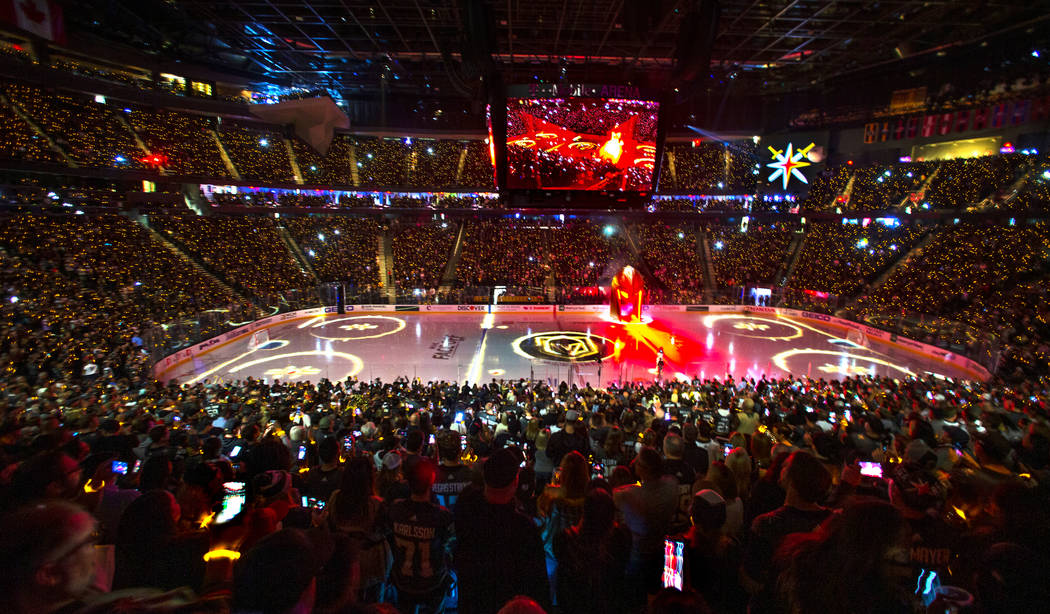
(232, 555)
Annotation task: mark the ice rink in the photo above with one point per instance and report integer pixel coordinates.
(587, 346)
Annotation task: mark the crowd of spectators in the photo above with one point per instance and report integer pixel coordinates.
(968, 286)
(826, 188)
(483, 257)
(585, 253)
(421, 251)
(88, 131)
(752, 257)
(579, 253)
(477, 166)
(382, 162)
(335, 168)
(711, 167)
(339, 248)
(671, 254)
(331, 497)
(256, 153)
(963, 183)
(841, 259)
(880, 187)
(247, 252)
(185, 143)
(20, 142)
(116, 258)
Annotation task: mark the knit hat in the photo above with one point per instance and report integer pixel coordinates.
(391, 460)
(501, 468)
(272, 484)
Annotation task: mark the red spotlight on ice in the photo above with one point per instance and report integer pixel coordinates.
(628, 292)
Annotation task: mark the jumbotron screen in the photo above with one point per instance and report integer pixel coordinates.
(600, 144)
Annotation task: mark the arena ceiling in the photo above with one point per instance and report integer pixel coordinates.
(417, 45)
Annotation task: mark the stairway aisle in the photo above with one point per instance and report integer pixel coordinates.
(191, 261)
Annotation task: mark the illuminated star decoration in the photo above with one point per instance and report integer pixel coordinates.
(847, 370)
(787, 164)
(292, 372)
(358, 326)
(750, 326)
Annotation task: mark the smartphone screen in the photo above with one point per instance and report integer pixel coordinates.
(674, 564)
(432, 439)
(232, 501)
(235, 451)
(312, 502)
(728, 449)
(462, 442)
(348, 442)
(871, 469)
(138, 465)
(120, 467)
(302, 452)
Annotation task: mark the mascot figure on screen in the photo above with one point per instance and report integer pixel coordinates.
(628, 292)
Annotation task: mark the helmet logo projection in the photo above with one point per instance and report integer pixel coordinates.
(787, 164)
(628, 292)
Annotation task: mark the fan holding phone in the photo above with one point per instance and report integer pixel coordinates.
(704, 558)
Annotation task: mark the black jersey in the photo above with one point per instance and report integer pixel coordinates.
(421, 533)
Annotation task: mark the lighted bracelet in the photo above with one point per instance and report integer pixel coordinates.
(222, 553)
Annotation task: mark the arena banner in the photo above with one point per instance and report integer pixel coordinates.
(406, 307)
(582, 308)
(522, 308)
(510, 298)
(455, 308)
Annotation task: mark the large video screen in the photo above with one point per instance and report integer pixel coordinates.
(600, 144)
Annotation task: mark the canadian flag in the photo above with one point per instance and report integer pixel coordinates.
(40, 17)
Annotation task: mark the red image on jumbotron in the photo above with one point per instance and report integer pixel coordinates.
(581, 144)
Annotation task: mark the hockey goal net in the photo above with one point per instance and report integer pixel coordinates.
(258, 338)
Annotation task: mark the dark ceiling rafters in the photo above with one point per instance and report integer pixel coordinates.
(352, 43)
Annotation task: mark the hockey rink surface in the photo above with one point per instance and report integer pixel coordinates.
(476, 347)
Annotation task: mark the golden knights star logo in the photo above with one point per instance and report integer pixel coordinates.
(786, 164)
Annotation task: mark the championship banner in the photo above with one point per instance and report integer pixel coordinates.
(929, 125)
(870, 131)
(980, 118)
(999, 115)
(898, 131)
(1040, 109)
(962, 120)
(913, 127)
(946, 124)
(1020, 114)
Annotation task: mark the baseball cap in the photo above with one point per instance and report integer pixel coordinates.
(572, 415)
(708, 509)
(914, 487)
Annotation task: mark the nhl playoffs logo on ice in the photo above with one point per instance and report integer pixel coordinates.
(564, 346)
